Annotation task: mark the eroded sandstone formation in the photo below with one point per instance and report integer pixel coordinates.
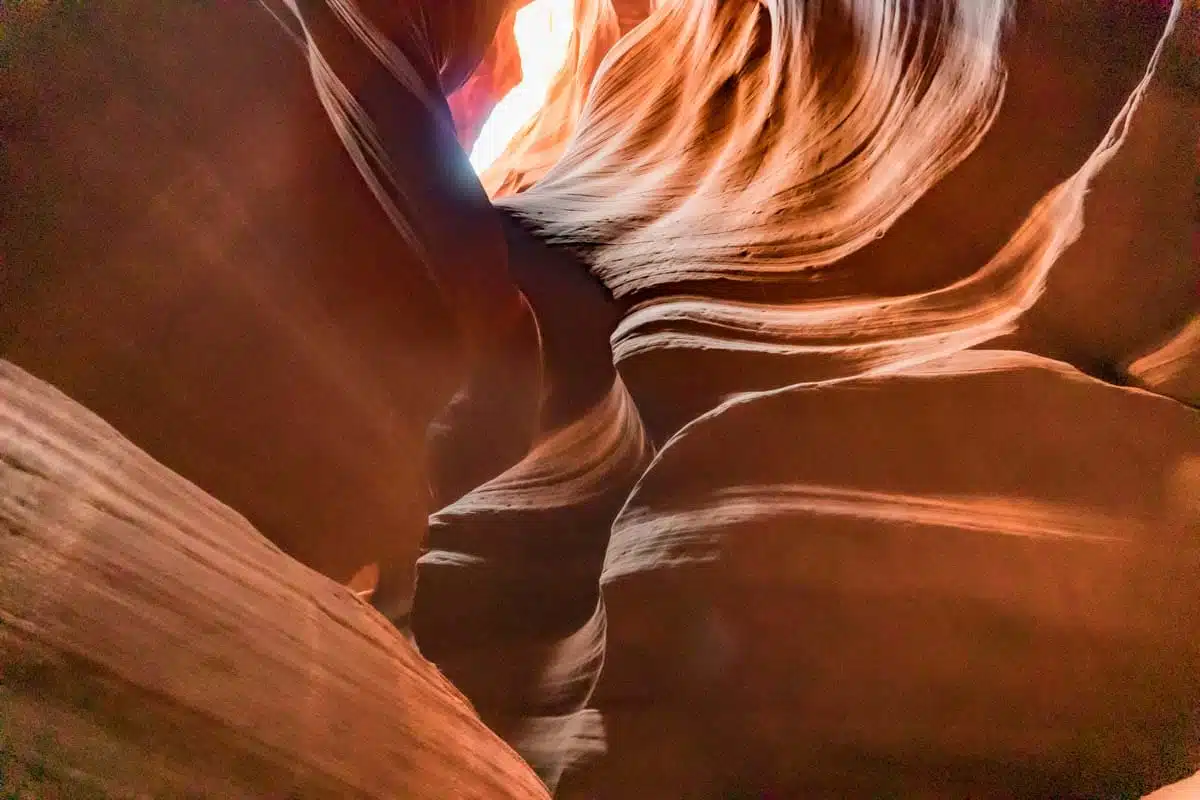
(722, 304)
(153, 644)
(808, 383)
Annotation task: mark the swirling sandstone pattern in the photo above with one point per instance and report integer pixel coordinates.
(759, 256)
(725, 181)
(885, 574)
(807, 541)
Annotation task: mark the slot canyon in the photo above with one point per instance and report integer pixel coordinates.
(600, 399)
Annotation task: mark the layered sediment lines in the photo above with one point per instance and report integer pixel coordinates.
(822, 531)
(818, 196)
(1173, 369)
(887, 595)
(761, 246)
(153, 644)
(508, 602)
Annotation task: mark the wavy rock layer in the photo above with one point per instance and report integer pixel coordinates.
(508, 592)
(887, 595)
(1173, 369)
(792, 633)
(1132, 281)
(153, 644)
(914, 569)
(758, 256)
(769, 141)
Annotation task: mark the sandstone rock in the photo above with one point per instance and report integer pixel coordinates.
(153, 644)
(886, 596)
(867, 560)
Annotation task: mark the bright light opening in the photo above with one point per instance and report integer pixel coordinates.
(543, 33)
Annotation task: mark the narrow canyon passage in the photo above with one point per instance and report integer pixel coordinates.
(802, 402)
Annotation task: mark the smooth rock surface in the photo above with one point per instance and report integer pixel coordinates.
(153, 644)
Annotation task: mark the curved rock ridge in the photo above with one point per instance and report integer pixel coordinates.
(864, 559)
(1132, 280)
(888, 597)
(748, 117)
(1174, 368)
(759, 156)
(572, 464)
(153, 644)
(508, 599)
(381, 71)
(760, 181)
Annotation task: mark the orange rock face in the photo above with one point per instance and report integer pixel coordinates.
(153, 644)
(803, 404)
